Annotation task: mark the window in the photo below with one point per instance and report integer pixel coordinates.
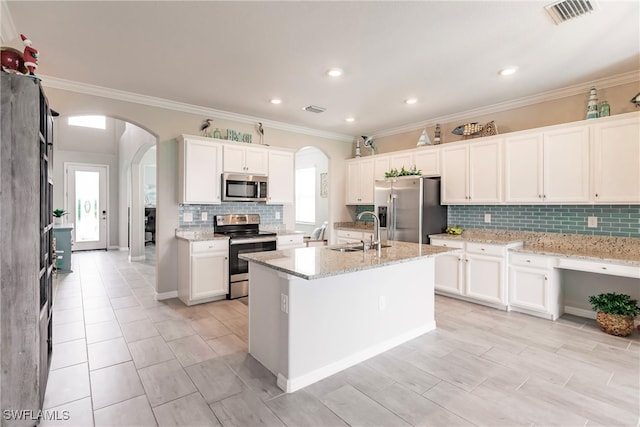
(306, 195)
(95, 122)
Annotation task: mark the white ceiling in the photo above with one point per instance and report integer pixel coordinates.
(234, 56)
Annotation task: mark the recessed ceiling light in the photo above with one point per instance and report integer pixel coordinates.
(334, 72)
(410, 101)
(350, 119)
(275, 101)
(508, 71)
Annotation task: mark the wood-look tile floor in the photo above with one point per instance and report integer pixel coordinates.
(123, 359)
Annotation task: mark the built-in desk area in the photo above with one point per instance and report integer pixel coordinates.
(544, 274)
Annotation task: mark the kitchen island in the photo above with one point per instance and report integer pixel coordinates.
(316, 311)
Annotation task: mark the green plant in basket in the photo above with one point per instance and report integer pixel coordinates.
(59, 213)
(615, 312)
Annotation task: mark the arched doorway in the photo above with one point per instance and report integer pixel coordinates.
(120, 146)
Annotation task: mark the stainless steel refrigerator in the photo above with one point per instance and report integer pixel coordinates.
(409, 208)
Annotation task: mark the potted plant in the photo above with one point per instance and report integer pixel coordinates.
(57, 216)
(615, 312)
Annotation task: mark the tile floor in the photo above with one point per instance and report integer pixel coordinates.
(122, 358)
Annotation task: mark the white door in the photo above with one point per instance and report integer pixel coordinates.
(86, 205)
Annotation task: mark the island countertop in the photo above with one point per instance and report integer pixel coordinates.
(321, 261)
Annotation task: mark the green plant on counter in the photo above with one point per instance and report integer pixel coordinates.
(393, 173)
(59, 213)
(613, 303)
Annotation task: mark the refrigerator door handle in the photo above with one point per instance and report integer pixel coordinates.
(392, 217)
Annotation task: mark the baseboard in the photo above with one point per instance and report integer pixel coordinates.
(580, 312)
(123, 248)
(113, 248)
(166, 295)
(292, 384)
(137, 258)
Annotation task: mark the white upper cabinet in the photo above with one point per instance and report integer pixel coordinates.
(241, 159)
(616, 161)
(548, 166)
(360, 182)
(455, 174)
(281, 177)
(401, 160)
(200, 169)
(427, 161)
(485, 172)
(381, 165)
(471, 172)
(566, 165)
(523, 168)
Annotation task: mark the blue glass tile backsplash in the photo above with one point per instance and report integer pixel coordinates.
(267, 213)
(613, 220)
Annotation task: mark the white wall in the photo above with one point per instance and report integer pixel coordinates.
(166, 125)
(133, 143)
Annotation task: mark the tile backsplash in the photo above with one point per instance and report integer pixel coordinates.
(268, 213)
(613, 220)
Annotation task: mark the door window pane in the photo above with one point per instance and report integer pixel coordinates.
(87, 202)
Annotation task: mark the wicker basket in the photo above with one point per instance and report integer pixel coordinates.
(615, 324)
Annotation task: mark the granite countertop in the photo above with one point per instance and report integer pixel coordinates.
(198, 234)
(354, 226)
(320, 261)
(499, 237)
(624, 250)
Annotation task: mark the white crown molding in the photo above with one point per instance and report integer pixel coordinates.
(551, 95)
(87, 89)
(8, 30)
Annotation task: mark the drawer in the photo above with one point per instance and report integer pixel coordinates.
(486, 249)
(221, 245)
(528, 260)
(457, 244)
(600, 267)
(290, 239)
(349, 234)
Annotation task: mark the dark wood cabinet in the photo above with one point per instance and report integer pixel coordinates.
(26, 253)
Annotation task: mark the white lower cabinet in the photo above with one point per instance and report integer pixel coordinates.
(478, 272)
(203, 270)
(352, 236)
(534, 286)
(289, 241)
(449, 275)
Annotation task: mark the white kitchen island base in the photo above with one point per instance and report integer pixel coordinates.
(306, 330)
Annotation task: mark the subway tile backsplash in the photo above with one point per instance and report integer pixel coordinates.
(613, 220)
(268, 213)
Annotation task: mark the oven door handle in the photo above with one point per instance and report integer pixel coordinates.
(251, 240)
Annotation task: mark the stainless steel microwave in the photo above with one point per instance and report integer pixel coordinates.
(244, 187)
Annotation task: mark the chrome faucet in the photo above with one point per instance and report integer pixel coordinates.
(376, 235)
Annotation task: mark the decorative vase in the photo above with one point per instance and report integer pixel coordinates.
(592, 105)
(615, 324)
(424, 139)
(605, 109)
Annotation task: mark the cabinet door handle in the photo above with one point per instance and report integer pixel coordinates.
(596, 194)
(528, 260)
(482, 249)
(539, 196)
(604, 268)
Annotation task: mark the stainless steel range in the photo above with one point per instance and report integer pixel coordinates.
(244, 236)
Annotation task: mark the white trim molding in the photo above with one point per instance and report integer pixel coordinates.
(166, 295)
(87, 89)
(551, 95)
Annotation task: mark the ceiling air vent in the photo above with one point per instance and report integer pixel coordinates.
(565, 10)
(315, 109)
